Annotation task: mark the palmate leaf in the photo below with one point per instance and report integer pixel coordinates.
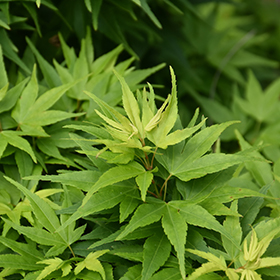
(91, 262)
(32, 113)
(52, 265)
(196, 215)
(190, 163)
(174, 225)
(257, 101)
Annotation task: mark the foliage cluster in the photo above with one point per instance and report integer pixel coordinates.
(104, 177)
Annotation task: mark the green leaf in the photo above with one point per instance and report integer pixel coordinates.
(49, 72)
(3, 73)
(232, 225)
(156, 252)
(176, 160)
(144, 5)
(27, 99)
(257, 102)
(198, 216)
(13, 261)
(167, 274)
(127, 206)
(261, 171)
(38, 235)
(129, 252)
(209, 164)
(25, 250)
(179, 135)
(144, 215)
(79, 179)
(104, 199)
(12, 96)
(44, 213)
(14, 139)
(143, 181)
(133, 273)
(115, 175)
(175, 227)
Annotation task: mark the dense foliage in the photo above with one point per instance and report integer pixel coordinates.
(108, 168)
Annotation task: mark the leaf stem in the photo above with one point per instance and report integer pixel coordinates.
(72, 251)
(152, 161)
(165, 187)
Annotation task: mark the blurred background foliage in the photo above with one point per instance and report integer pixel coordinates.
(210, 44)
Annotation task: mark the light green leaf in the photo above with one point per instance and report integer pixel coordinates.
(144, 215)
(38, 3)
(14, 139)
(130, 105)
(167, 274)
(168, 116)
(214, 264)
(27, 99)
(3, 91)
(53, 265)
(175, 227)
(91, 262)
(156, 252)
(179, 135)
(49, 98)
(12, 96)
(144, 181)
(268, 262)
